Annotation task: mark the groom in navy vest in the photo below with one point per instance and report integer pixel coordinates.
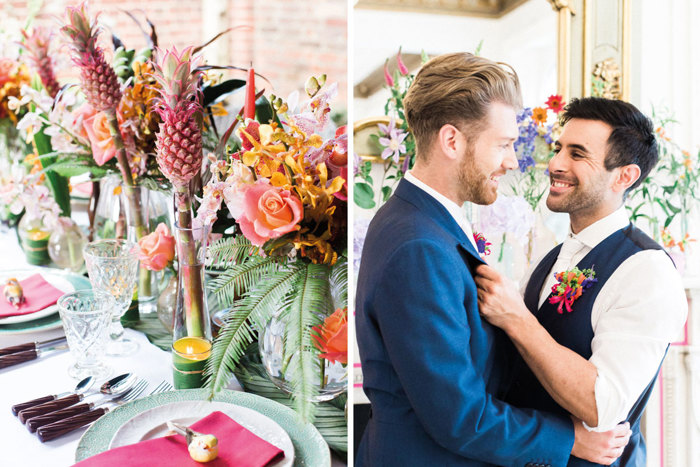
(599, 310)
(433, 369)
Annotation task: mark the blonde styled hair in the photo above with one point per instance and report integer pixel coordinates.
(457, 89)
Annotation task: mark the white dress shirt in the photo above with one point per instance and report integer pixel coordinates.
(453, 208)
(638, 311)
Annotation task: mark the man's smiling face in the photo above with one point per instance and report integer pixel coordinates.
(579, 182)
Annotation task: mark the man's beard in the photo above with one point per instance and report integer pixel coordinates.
(579, 199)
(474, 185)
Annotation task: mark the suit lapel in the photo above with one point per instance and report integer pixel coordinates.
(436, 211)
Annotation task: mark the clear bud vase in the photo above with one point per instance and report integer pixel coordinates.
(136, 201)
(192, 337)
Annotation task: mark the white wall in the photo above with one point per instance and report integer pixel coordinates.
(666, 64)
(524, 38)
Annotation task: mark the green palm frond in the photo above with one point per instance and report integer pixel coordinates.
(261, 301)
(265, 299)
(307, 306)
(228, 251)
(231, 284)
(227, 350)
(339, 283)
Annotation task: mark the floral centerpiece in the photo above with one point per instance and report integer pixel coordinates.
(285, 274)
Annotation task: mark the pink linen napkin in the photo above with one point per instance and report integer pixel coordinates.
(237, 447)
(38, 295)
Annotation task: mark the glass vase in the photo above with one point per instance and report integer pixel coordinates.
(192, 338)
(66, 245)
(34, 238)
(331, 378)
(137, 205)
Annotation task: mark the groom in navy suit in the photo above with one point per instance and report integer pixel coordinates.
(433, 370)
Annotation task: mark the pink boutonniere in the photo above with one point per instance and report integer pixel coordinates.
(482, 246)
(571, 286)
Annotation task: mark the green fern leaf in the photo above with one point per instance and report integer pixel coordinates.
(229, 251)
(231, 284)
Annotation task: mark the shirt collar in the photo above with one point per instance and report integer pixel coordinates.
(453, 208)
(601, 229)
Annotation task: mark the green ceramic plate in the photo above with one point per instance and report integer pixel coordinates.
(309, 447)
(46, 323)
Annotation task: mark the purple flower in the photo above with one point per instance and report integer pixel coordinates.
(392, 141)
(356, 161)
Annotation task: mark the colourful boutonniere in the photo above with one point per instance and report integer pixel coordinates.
(482, 246)
(571, 285)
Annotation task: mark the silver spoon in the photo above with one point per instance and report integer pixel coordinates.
(116, 385)
(42, 405)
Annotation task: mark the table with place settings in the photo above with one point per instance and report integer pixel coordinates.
(48, 375)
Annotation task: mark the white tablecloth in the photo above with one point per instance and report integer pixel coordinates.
(48, 375)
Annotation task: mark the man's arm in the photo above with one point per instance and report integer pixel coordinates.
(419, 306)
(601, 390)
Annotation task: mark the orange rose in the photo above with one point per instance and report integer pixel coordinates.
(332, 337)
(157, 249)
(269, 212)
(97, 128)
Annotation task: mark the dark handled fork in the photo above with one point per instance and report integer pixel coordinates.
(66, 425)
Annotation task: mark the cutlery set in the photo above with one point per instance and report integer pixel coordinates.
(30, 351)
(56, 415)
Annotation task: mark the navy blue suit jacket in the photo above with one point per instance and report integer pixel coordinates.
(432, 367)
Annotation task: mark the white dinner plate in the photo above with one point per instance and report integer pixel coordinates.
(58, 281)
(151, 424)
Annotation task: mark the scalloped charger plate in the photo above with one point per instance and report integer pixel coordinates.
(310, 449)
(151, 424)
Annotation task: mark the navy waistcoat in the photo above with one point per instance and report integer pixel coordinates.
(574, 331)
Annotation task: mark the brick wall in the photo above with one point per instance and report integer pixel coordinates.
(288, 40)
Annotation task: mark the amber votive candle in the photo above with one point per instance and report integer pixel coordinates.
(190, 355)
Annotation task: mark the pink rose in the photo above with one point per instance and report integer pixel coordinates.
(97, 128)
(80, 114)
(269, 212)
(156, 249)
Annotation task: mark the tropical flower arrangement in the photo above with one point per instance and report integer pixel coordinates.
(285, 186)
(395, 140)
(669, 193)
(570, 286)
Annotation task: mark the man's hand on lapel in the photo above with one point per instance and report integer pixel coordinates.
(500, 302)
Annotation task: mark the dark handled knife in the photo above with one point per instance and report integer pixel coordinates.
(27, 355)
(32, 346)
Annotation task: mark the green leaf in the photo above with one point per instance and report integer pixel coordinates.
(219, 92)
(364, 196)
(303, 311)
(386, 193)
(264, 111)
(229, 251)
(259, 303)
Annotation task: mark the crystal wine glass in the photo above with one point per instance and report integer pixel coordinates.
(113, 266)
(86, 315)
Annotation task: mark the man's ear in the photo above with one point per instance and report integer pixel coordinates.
(451, 141)
(626, 176)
